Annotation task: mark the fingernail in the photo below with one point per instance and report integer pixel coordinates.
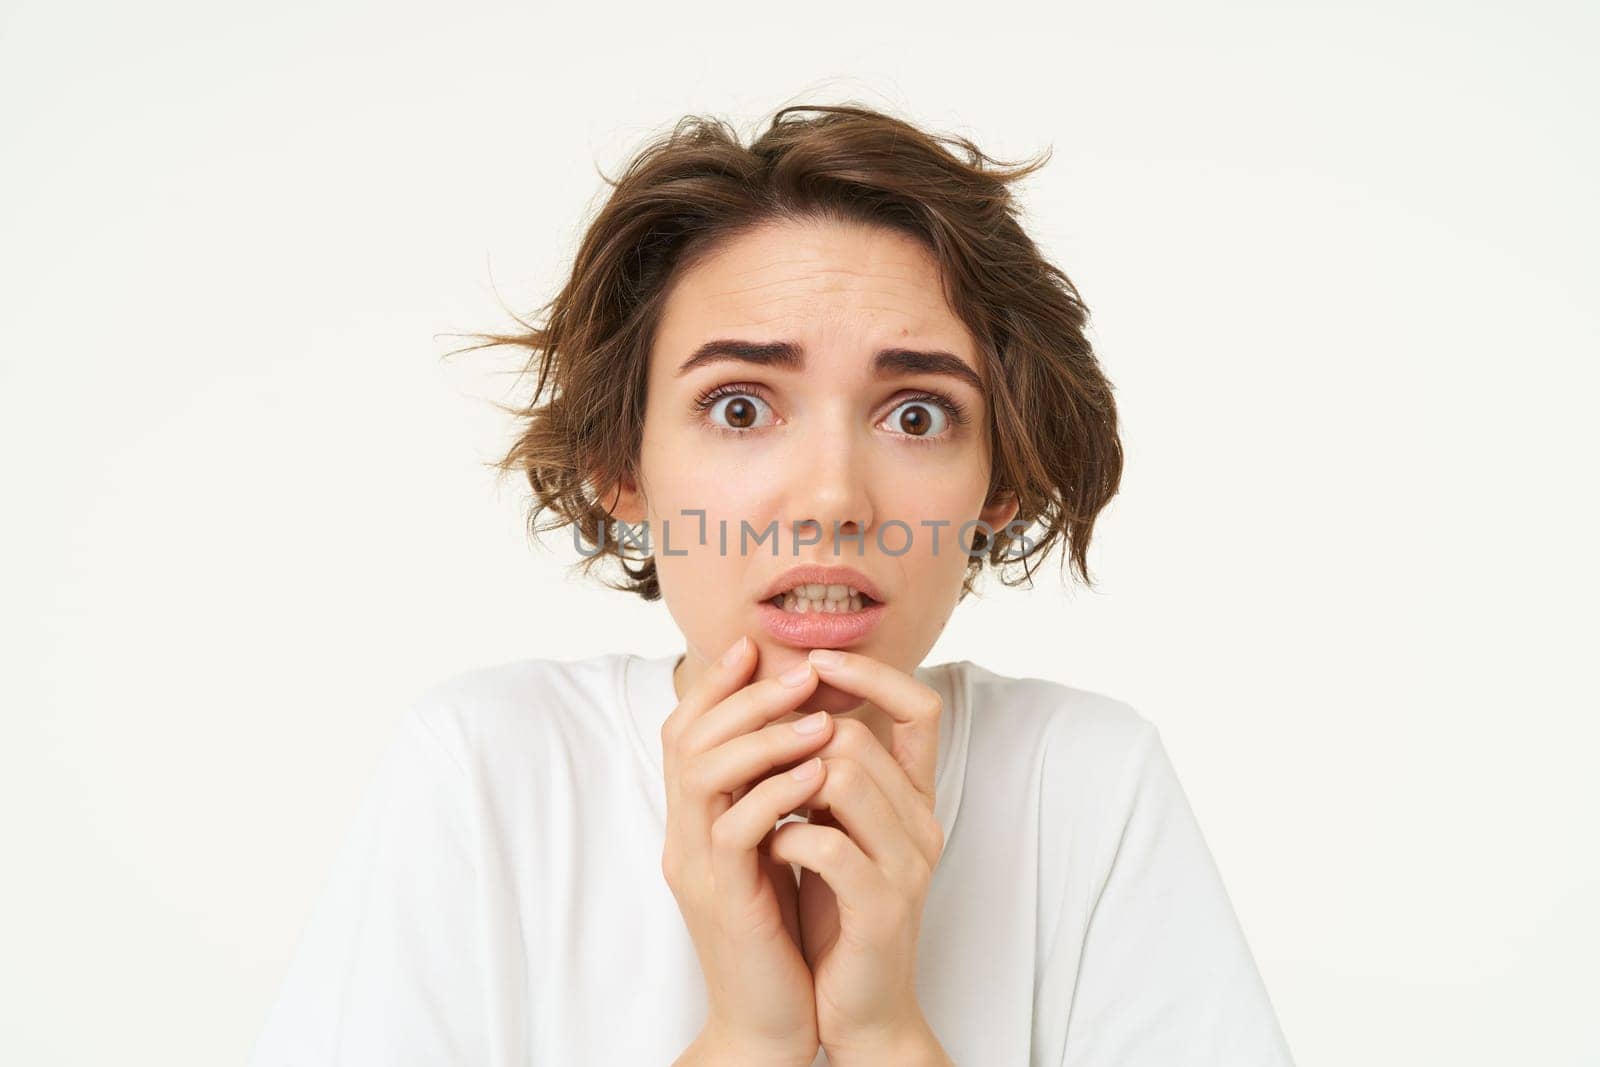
(730, 657)
(808, 769)
(825, 657)
(796, 675)
(811, 723)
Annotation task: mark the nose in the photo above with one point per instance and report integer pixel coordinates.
(830, 497)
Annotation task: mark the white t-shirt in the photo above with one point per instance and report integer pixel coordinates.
(499, 899)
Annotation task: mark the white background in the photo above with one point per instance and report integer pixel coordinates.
(1341, 264)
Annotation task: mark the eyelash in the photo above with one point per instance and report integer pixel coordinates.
(956, 413)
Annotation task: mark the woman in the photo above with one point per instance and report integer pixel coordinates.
(831, 380)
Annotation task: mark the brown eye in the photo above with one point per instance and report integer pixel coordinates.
(914, 421)
(740, 411)
(916, 418)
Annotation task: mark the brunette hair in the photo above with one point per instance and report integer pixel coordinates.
(1052, 424)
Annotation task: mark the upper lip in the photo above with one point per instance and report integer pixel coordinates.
(819, 575)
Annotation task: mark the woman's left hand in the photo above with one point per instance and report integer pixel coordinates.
(867, 863)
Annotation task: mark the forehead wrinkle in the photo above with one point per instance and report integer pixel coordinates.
(817, 283)
(753, 262)
(912, 303)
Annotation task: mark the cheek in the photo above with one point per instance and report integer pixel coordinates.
(695, 500)
(951, 496)
(688, 473)
(723, 497)
(680, 474)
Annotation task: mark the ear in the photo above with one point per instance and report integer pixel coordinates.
(1001, 509)
(623, 500)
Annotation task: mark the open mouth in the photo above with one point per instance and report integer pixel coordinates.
(813, 598)
(821, 614)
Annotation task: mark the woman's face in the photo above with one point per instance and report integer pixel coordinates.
(834, 440)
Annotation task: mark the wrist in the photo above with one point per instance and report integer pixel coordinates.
(715, 1048)
(911, 1045)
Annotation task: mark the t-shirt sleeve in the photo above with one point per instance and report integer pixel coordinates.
(1165, 975)
(389, 970)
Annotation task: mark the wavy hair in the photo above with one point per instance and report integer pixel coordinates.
(1052, 419)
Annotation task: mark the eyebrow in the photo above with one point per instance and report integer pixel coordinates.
(790, 356)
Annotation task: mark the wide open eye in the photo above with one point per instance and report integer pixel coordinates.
(738, 410)
(919, 417)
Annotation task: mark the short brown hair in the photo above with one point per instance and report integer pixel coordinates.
(1052, 421)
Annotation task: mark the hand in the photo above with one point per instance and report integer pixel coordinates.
(868, 863)
(740, 905)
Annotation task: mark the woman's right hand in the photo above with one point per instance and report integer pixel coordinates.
(739, 902)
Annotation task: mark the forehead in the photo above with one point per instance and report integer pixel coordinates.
(799, 278)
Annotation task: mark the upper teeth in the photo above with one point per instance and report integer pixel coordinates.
(818, 597)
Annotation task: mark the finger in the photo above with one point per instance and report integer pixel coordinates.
(713, 779)
(749, 709)
(857, 884)
(722, 680)
(862, 811)
(788, 890)
(853, 740)
(912, 707)
(735, 862)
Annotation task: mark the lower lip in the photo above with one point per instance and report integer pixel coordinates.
(819, 629)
